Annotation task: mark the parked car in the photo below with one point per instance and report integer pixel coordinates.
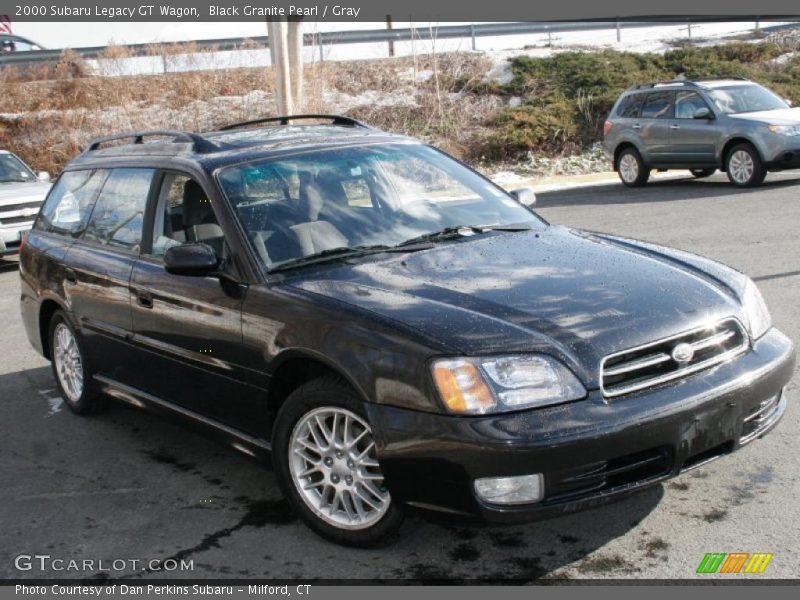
(21, 195)
(15, 43)
(730, 124)
(396, 330)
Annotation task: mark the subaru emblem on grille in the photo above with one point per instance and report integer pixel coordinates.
(682, 353)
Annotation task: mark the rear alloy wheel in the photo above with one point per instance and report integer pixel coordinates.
(72, 373)
(701, 173)
(744, 166)
(631, 169)
(326, 461)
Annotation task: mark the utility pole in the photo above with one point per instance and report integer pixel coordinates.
(286, 50)
(295, 47)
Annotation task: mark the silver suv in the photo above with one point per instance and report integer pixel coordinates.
(21, 194)
(731, 124)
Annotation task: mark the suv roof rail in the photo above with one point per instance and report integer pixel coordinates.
(284, 120)
(643, 86)
(199, 143)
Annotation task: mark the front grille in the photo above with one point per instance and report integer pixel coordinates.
(760, 418)
(13, 220)
(671, 358)
(614, 473)
(11, 208)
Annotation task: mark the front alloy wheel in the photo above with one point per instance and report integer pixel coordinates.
(744, 166)
(326, 462)
(334, 468)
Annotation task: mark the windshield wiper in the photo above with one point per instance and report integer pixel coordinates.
(339, 253)
(461, 231)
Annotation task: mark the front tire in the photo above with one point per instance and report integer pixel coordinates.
(744, 166)
(71, 370)
(631, 168)
(324, 457)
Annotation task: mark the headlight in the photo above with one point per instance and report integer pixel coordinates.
(476, 386)
(758, 317)
(791, 130)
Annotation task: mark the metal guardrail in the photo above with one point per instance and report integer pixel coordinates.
(390, 35)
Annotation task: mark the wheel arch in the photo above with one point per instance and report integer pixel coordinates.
(295, 367)
(47, 309)
(621, 147)
(729, 145)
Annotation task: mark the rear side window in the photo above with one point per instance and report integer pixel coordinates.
(630, 106)
(70, 201)
(118, 214)
(657, 105)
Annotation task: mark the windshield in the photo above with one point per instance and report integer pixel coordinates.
(382, 195)
(745, 98)
(13, 170)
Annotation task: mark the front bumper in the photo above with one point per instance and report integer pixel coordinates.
(10, 236)
(589, 451)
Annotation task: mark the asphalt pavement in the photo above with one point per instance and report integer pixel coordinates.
(127, 485)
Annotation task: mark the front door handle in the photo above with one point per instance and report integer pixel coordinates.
(144, 298)
(674, 126)
(70, 275)
(637, 126)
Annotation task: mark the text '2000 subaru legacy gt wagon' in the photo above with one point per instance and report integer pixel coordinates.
(395, 330)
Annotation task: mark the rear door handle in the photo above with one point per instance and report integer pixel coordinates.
(637, 126)
(674, 126)
(144, 298)
(70, 275)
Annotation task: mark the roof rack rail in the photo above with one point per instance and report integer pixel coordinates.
(199, 143)
(284, 120)
(691, 82)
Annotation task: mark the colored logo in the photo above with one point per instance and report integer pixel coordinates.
(735, 562)
(682, 353)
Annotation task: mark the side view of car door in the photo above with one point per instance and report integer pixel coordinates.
(190, 327)
(692, 140)
(653, 126)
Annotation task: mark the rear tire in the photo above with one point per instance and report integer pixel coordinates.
(71, 370)
(702, 173)
(631, 168)
(324, 458)
(744, 166)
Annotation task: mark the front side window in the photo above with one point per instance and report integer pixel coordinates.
(688, 103)
(657, 105)
(366, 196)
(184, 215)
(13, 170)
(70, 201)
(736, 99)
(118, 214)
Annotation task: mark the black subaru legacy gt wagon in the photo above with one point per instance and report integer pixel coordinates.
(393, 329)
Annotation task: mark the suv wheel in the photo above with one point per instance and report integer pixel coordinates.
(631, 168)
(744, 166)
(325, 459)
(701, 173)
(72, 372)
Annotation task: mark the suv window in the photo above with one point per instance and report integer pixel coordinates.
(657, 105)
(119, 211)
(630, 106)
(70, 201)
(184, 214)
(688, 103)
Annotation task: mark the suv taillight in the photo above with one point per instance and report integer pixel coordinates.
(607, 127)
(23, 239)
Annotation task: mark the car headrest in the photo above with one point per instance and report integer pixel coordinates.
(196, 207)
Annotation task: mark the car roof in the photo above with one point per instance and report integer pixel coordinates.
(675, 84)
(236, 143)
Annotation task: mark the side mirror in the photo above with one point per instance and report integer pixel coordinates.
(703, 113)
(198, 260)
(525, 196)
(43, 176)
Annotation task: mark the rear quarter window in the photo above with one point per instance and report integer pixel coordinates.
(630, 106)
(70, 202)
(118, 215)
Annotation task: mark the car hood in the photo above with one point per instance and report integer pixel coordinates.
(569, 293)
(26, 191)
(782, 116)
